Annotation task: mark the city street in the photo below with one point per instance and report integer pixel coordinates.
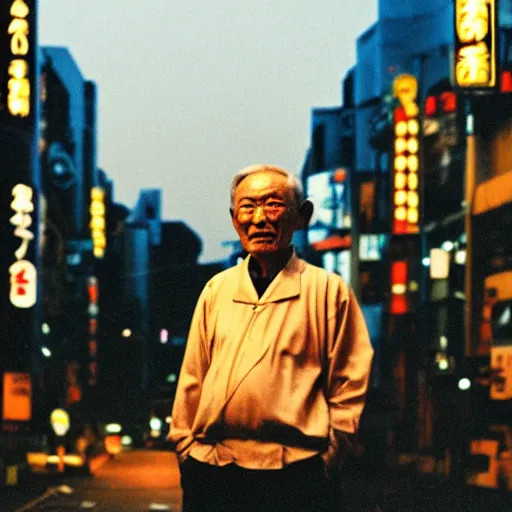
(145, 480)
(132, 481)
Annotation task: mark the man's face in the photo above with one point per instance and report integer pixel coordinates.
(264, 213)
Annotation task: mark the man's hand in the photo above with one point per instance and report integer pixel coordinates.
(340, 447)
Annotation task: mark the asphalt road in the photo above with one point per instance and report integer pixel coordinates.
(133, 481)
(146, 480)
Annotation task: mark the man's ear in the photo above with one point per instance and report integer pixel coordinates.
(305, 213)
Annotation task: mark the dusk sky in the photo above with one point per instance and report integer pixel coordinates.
(192, 91)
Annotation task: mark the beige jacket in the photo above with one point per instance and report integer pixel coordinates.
(264, 381)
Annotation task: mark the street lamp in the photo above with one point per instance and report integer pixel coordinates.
(126, 333)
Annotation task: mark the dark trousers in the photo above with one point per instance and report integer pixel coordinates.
(299, 487)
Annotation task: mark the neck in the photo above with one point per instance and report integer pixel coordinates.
(269, 265)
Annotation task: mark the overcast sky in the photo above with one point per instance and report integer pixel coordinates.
(191, 91)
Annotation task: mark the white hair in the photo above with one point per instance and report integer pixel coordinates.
(295, 183)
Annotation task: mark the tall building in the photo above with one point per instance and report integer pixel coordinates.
(429, 179)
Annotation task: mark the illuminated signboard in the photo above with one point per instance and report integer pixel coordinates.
(93, 292)
(97, 224)
(406, 157)
(22, 272)
(18, 85)
(475, 43)
(17, 397)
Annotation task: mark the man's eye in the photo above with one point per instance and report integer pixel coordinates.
(246, 207)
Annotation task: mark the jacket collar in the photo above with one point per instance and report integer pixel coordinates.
(285, 285)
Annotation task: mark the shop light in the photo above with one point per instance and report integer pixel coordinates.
(400, 163)
(400, 145)
(412, 145)
(464, 384)
(400, 213)
(430, 105)
(412, 181)
(45, 328)
(412, 215)
(46, 351)
(398, 289)
(113, 428)
(400, 180)
(400, 197)
(413, 126)
(439, 264)
(460, 257)
(447, 246)
(413, 163)
(126, 333)
(443, 364)
(401, 129)
(426, 262)
(412, 199)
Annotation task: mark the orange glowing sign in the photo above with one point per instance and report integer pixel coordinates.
(405, 195)
(17, 397)
(475, 43)
(97, 224)
(18, 99)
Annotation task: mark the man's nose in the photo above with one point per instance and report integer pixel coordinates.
(259, 216)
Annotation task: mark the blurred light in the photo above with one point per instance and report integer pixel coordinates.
(460, 257)
(126, 441)
(412, 181)
(398, 288)
(443, 342)
(439, 264)
(400, 163)
(401, 129)
(464, 384)
(412, 215)
(426, 262)
(443, 364)
(168, 419)
(400, 180)
(470, 124)
(412, 198)
(463, 238)
(171, 378)
(155, 423)
(400, 213)
(413, 286)
(45, 328)
(400, 145)
(126, 333)
(46, 351)
(412, 163)
(164, 336)
(113, 428)
(447, 246)
(155, 433)
(413, 126)
(412, 145)
(400, 197)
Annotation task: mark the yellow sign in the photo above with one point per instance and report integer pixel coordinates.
(18, 99)
(475, 43)
(97, 224)
(17, 397)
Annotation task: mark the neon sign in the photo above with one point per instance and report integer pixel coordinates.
(23, 273)
(475, 46)
(97, 224)
(406, 157)
(18, 98)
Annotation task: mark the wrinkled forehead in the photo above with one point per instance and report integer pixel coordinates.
(264, 183)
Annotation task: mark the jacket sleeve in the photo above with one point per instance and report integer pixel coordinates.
(349, 360)
(195, 364)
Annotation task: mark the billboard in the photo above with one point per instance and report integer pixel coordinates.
(475, 44)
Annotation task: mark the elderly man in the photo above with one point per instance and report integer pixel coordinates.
(276, 366)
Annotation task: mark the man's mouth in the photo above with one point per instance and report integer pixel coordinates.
(262, 236)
